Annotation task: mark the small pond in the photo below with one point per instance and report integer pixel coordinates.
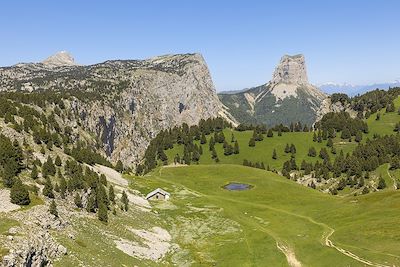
(237, 186)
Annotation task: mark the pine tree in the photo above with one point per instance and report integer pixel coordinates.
(274, 155)
(103, 179)
(287, 148)
(345, 134)
(358, 137)
(270, 133)
(119, 167)
(236, 148)
(252, 142)
(78, 200)
(111, 194)
(34, 172)
(211, 144)
(53, 208)
(125, 201)
(214, 154)
(19, 194)
(203, 139)
(365, 190)
(312, 152)
(381, 183)
(329, 143)
(232, 138)
(48, 189)
(315, 137)
(292, 149)
(58, 161)
(102, 213)
(91, 203)
(57, 188)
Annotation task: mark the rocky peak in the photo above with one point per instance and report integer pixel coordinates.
(291, 70)
(60, 59)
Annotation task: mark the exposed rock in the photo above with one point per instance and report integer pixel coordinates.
(60, 59)
(5, 203)
(327, 106)
(291, 70)
(287, 98)
(138, 97)
(37, 250)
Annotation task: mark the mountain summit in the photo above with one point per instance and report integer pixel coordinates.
(291, 69)
(287, 98)
(62, 58)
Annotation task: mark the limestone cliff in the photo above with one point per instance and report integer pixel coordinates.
(127, 102)
(287, 98)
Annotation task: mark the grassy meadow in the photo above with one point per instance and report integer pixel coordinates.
(248, 225)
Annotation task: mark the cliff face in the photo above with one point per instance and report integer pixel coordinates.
(132, 100)
(287, 98)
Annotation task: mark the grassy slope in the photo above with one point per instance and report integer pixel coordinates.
(297, 216)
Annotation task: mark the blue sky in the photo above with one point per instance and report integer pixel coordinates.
(343, 41)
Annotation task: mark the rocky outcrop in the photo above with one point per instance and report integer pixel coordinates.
(291, 70)
(327, 106)
(128, 101)
(287, 98)
(59, 59)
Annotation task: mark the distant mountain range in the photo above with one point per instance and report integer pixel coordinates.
(352, 89)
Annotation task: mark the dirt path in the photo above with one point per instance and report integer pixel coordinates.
(329, 243)
(394, 180)
(325, 237)
(290, 256)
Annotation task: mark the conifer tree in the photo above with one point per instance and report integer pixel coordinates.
(34, 172)
(312, 152)
(358, 137)
(211, 144)
(287, 148)
(91, 203)
(111, 194)
(53, 208)
(103, 179)
(236, 148)
(315, 137)
(274, 155)
(57, 161)
(329, 143)
(19, 194)
(203, 139)
(119, 167)
(125, 201)
(48, 189)
(78, 200)
(381, 183)
(270, 133)
(252, 142)
(102, 213)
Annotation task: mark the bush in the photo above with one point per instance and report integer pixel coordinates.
(19, 194)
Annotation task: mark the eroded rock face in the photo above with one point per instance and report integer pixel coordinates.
(138, 98)
(287, 98)
(327, 106)
(291, 70)
(59, 59)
